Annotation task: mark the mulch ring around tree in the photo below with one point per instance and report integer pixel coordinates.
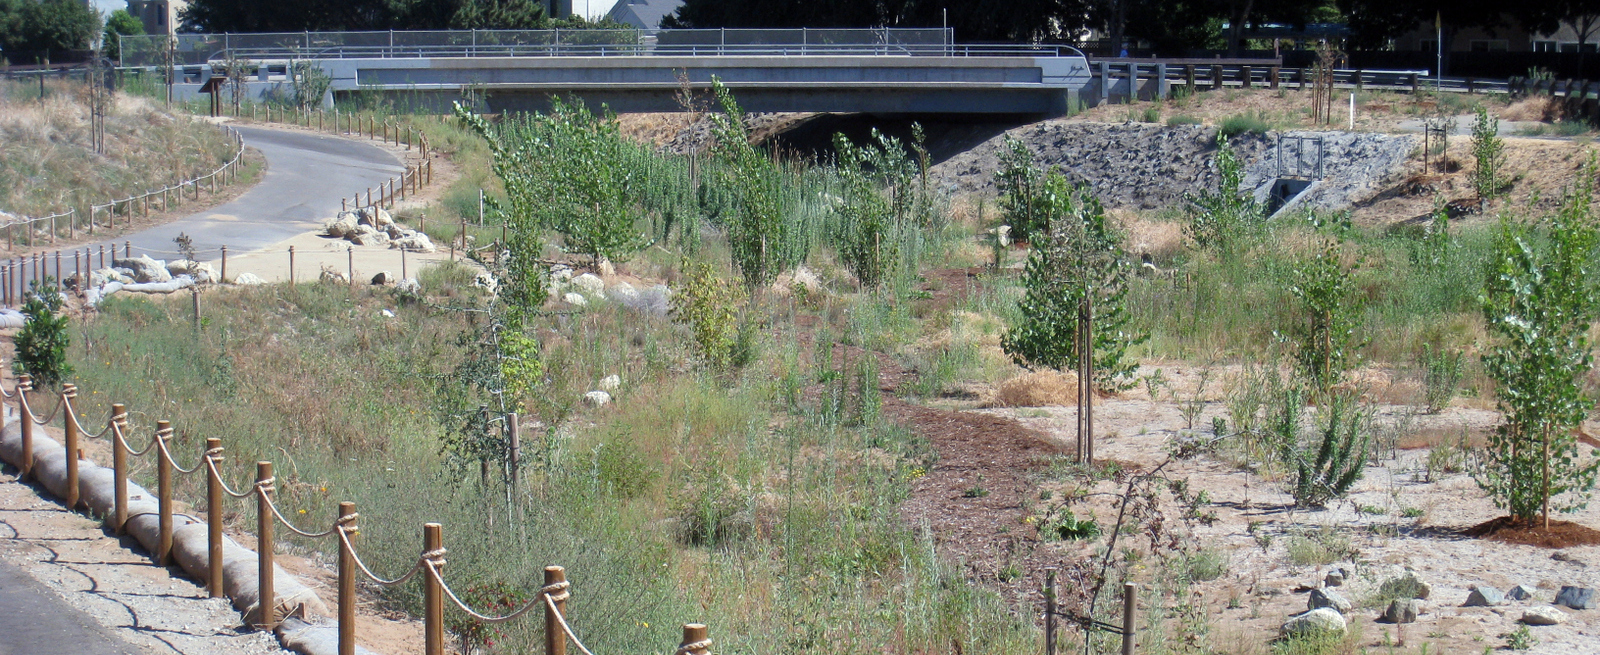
(1561, 534)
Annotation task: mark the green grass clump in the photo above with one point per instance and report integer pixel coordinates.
(1237, 124)
(1324, 546)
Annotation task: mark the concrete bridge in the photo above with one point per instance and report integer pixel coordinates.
(874, 71)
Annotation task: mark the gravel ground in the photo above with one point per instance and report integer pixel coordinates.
(112, 580)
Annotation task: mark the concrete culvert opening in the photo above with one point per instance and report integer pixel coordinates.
(1284, 191)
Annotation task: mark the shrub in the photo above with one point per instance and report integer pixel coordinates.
(866, 234)
(1182, 119)
(1220, 219)
(709, 305)
(1072, 528)
(1540, 301)
(1343, 433)
(1324, 546)
(1442, 371)
(42, 343)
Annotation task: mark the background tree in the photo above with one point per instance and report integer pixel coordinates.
(119, 24)
(299, 15)
(34, 29)
(1547, 16)
(761, 239)
(1539, 302)
(977, 21)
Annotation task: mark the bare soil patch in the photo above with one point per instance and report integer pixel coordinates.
(1560, 534)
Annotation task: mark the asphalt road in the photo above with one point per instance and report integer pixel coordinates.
(35, 620)
(307, 174)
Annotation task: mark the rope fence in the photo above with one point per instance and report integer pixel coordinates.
(551, 598)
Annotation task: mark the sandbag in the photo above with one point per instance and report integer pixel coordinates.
(298, 635)
(94, 295)
(240, 582)
(11, 318)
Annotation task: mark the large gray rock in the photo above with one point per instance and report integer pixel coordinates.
(1483, 596)
(575, 299)
(382, 278)
(1403, 611)
(1334, 578)
(1318, 621)
(1545, 615)
(145, 269)
(373, 238)
(342, 225)
(1328, 598)
(1578, 598)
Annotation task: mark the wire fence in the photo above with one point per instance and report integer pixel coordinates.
(429, 564)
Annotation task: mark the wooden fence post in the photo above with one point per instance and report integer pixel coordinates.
(267, 598)
(1130, 599)
(291, 265)
(347, 579)
(555, 586)
(432, 593)
(119, 466)
(224, 273)
(695, 640)
(164, 492)
(213, 462)
(24, 384)
(69, 434)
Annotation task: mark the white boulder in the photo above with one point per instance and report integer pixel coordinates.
(589, 283)
(248, 279)
(575, 299)
(1320, 620)
(1546, 615)
(610, 382)
(597, 398)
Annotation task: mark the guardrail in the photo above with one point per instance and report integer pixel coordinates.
(551, 598)
(1268, 74)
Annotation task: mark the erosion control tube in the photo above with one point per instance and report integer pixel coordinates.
(189, 547)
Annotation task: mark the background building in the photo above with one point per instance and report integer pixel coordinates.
(643, 14)
(158, 16)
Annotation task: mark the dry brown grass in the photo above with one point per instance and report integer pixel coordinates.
(1544, 109)
(1037, 389)
(1157, 238)
(47, 157)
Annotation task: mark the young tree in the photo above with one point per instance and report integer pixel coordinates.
(1324, 331)
(567, 170)
(1539, 302)
(1020, 182)
(1489, 151)
(881, 197)
(763, 240)
(1077, 264)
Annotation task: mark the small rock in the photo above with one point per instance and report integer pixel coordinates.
(1482, 596)
(387, 314)
(560, 272)
(575, 299)
(1335, 578)
(1406, 586)
(597, 398)
(382, 278)
(332, 277)
(483, 280)
(1403, 611)
(589, 284)
(1002, 235)
(1521, 592)
(606, 268)
(409, 285)
(1562, 556)
(1543, 616)
(248, 279)
(610, 383)
(1321, 620)
(1578, 598)
(381, 218)
(1328, 598)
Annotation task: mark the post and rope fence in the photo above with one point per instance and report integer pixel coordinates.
(430, 563)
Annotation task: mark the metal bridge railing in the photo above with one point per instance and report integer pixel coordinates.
(192, 49)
